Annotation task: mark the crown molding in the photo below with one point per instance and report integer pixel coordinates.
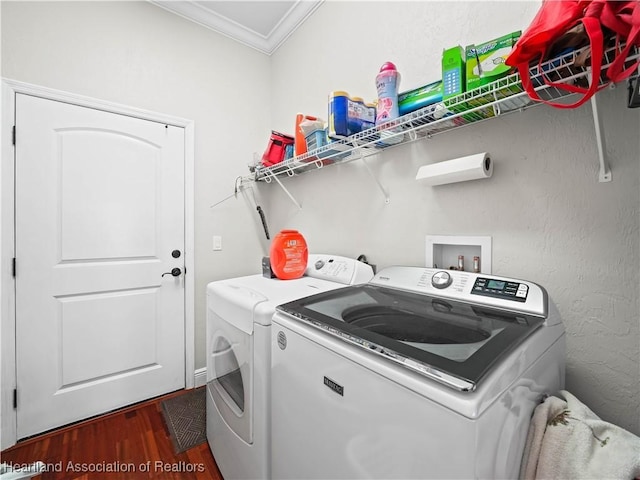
(199, 14)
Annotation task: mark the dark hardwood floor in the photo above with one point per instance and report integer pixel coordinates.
(132, 443)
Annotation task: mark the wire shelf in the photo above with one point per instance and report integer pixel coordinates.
(501, 97)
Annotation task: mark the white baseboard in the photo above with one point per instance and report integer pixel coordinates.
(200, 377)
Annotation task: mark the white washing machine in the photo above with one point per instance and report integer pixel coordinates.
(239, 312)
(419, 374)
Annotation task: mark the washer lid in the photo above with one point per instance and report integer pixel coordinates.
(452, 342)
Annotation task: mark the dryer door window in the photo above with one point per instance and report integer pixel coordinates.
(228, 374)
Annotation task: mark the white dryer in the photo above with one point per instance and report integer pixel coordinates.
(239, 312)
(418, 374)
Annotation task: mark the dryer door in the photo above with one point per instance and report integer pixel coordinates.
(230, 373)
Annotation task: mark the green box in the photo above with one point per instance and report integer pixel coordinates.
(485, 62)
(453, 72)
(493, 54)
(421, 97)
(453, 79)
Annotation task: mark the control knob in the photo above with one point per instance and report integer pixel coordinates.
(441, 279)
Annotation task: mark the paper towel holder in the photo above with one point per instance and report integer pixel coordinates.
(462, 169)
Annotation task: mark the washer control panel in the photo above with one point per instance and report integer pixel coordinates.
(491, 287)
(475, 288)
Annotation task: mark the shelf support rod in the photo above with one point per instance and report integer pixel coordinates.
(605, 171)
(380, 186)
(284, 189)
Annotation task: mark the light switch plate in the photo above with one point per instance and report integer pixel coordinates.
(217, 243)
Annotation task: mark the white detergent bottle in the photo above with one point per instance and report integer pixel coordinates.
(387, 83)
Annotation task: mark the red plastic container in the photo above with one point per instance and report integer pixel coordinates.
(276, 148)
(288, 255)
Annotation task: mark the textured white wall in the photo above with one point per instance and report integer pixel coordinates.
(550, 220)
(137, 54)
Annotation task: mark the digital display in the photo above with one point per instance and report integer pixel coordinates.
(506, 290)
(496, 285)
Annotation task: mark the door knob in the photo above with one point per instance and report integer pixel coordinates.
(174, 271)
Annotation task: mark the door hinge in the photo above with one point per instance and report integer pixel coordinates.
(15, 398)
(13, 135)
(13, 267)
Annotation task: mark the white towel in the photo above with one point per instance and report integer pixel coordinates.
(566, 440)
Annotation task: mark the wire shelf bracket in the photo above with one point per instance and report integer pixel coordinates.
(605, 172)
(284, 189)
(387, 200)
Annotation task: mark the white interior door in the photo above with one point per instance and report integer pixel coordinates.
(99, 218)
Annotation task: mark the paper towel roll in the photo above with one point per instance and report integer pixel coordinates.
(460, 169)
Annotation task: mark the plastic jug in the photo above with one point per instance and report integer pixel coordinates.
(300, 144)
(288, 255)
